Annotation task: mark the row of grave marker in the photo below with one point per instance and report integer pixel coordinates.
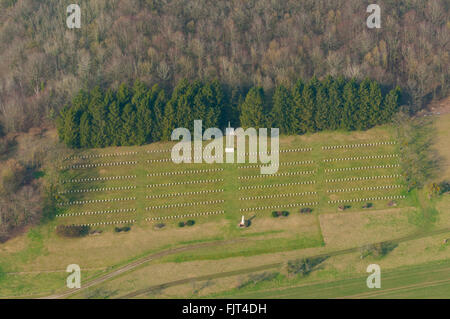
(79, 202)
(159, 151)
(186, 172)
(185, 204)
(363, 188)
(355, 158)
(281, 164)
(276, 175)
(278, 206)
(131, 221)
(212, 156)
(361, 178)
(159, 160)
(188, 182)
(357, 145)
(95, 179)
(276, 185)
(185, 215)
(100, 164)
(99, 155)
(365, 199)
(184, 194)
(122, 210)
(278, 195)
(360, 168)
(98, 189)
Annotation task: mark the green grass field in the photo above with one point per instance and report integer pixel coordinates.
(229, 190)
(430, 280)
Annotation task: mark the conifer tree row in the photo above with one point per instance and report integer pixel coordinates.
(139, 115)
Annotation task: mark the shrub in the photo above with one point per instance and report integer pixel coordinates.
(190, 222)
(122, 229)
(304, 266)
(444, 187)
(285, 213)
(161, 225)
(181, 224)
(275, 214)
(305, 210)
(72, 231)
(378, 250)
(436, 189)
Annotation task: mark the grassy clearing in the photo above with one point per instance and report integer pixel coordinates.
(232, 189)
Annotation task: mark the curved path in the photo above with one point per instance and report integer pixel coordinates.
(132, 265)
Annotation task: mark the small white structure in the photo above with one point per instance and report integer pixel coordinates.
(242, 223)
(229, 133)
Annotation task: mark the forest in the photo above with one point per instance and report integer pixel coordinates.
(242, 43)
(138, 115)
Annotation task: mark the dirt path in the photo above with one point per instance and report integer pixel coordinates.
(134, 265)
(269, 266)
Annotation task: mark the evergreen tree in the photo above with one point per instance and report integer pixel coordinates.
(364, 112)
(129, 136)
(204, 105)
(282, 110)
(350, 106)
(159, 100)
(390, 105)
(142, 102)
(335, 102)
(123, 95)
(217, 103)
(252, 110)
(209, 104)
(115, 126)
(123, 98)
(60, 122)
(85, 130)
(98, 111)
(231, 112)
(308, 106)
(181, 104)
(71, 128)
(297, 105)
(375, 102)
(321, 102)
(169, 122)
